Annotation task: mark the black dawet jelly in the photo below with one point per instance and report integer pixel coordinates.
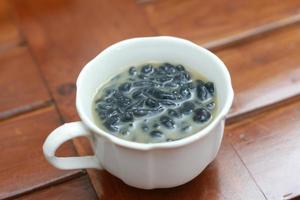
(147, 69)
(187, 107)
(201, 115)
(152, 103)
(167, 122)
(125, 87)
(155, 103)
(156, 133)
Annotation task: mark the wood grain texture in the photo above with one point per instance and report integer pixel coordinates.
(205, 22)
(63, 35)
(22, 165)
(55, 33)
(9, 34)
(76, 189)
(268, 144)
(224, 178)
(263, 71)
(21, 86)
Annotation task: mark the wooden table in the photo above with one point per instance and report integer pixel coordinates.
(44, 44)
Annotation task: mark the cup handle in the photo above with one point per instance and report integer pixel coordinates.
(58, 137)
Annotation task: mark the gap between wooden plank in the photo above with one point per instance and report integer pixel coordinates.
(49, 183)
(24, 109)
(251, 33)
(144, 1)
(250, 174)
(11, 46)
(240, 116)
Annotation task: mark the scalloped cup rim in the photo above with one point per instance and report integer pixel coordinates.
(164, 145)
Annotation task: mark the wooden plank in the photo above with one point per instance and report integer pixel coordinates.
(64, 35)
(224, 178)
(56, 55)
(268, 144)
(264, 70)
(205, 22)
(76, 189)
(22, 165)
(21, 86)
(9, 34)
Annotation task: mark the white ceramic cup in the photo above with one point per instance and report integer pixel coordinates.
(147, 166)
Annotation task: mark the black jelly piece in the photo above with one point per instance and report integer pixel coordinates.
(111, 123)
(111, 127)
(165, 95)
(118, 95)
(185, 92)
(127, 117)
(137, 104)
(164, 79)
(202, 92)
(109, 100)
(102, 114)
(201, 115)
(162, 95)
(186, 76)
(144, 84)
(210, 87)
(168, 68)
(111, 112)
(180, 68)
(125, 87)
(187, 107)
(147, 69)
(156, 110)
(171, 84)
(167, 103)
(156, 134)
(137, 94)
(103, 106)
(211, 105)
(152, 103)
(132, 71)
(114, 119)
(140, 112)
(182, 77)
(173, 113)
(167, 122)
(124, 102)
(156, 125)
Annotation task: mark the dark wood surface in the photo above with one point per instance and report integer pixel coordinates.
(263, 71)
(75, 189)
(20, 82)
(44, 45)
(207, 22)
(9, 34)
(268, 144)
(23, 167)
